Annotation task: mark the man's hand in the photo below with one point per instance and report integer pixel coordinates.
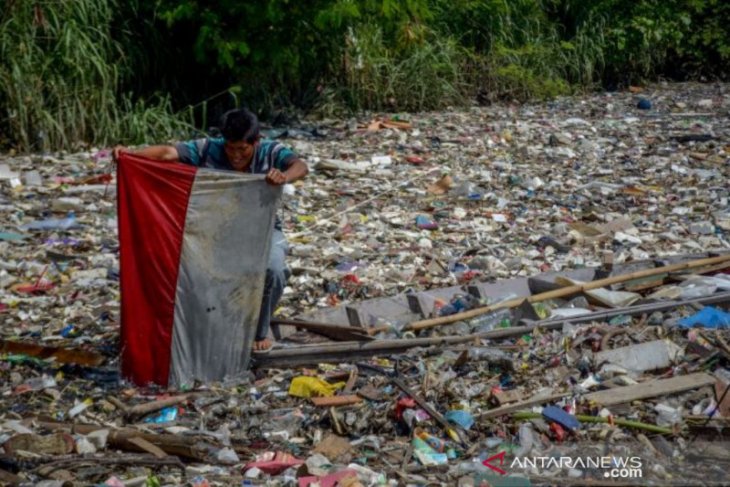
(117, 151)
(275, 177)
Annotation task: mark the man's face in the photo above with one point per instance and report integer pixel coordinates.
(239, 153)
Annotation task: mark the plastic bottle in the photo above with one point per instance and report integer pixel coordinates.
(40, 383)
(526, 440)
(227, 456)
(471, 467)
(284, 425)
(492, 320)
(667, 416)
(53, 223)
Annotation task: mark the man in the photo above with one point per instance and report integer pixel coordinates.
(242, 149)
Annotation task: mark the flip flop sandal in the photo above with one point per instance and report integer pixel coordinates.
(264, 350)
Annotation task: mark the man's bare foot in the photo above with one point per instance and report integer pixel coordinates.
(262, 345)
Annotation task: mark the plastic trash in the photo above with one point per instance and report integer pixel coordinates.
(284, 425)
(434, 442)
(164, 416)
(33, 178)
(426, 454)
(83, 445)
(558, 415)
(696, 288)
(67, 204)
(227, 456)
(643, 104)
(40, 383)
(501, 318)
(304, 386)
(79, 408)
(460, 417)
(526, 439)
(53, 223)
(426, 223)
(707, 317)
(273, 463)
(667, 415)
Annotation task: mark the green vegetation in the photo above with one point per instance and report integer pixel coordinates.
(105, 71)
(60, 80)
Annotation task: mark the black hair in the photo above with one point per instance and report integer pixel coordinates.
(240, 124)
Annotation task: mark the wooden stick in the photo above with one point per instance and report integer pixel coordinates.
(351, 381)
(148, 447)
(557, 293)
(347, 351)
(519, 406)
(118, 404)
(336, 401)
(151, 407)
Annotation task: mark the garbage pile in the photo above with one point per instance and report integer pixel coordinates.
(619, 384)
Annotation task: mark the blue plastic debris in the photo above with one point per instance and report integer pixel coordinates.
(53, 223)
(644, 104)
(70, 331)
(707, 317)
(460, 417)
(557, 415)
(165, 416)
(11, 236)
(425, 223)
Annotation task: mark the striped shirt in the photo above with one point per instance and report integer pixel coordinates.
(210, 153)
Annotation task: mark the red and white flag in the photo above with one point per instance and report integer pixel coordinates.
(194, 245)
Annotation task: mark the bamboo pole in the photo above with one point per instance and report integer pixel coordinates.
(525, 415)
(558, 293)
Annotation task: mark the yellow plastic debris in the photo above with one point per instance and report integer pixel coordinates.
(313, 387)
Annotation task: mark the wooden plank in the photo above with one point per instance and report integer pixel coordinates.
(561, 293)
(351, 381)
(355, 317)
(417, 304)
(649, 389)
(522, 405)
(348, 351)
(335, 332)
(147, 446)
(336, 400)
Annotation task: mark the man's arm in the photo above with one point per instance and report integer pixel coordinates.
(155, 152)
(297, 170)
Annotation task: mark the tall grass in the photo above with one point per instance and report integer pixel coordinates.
(428, 72)
(60, 77)
(520, 52)
(495, 48)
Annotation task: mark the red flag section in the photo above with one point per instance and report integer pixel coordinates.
(152, 206)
